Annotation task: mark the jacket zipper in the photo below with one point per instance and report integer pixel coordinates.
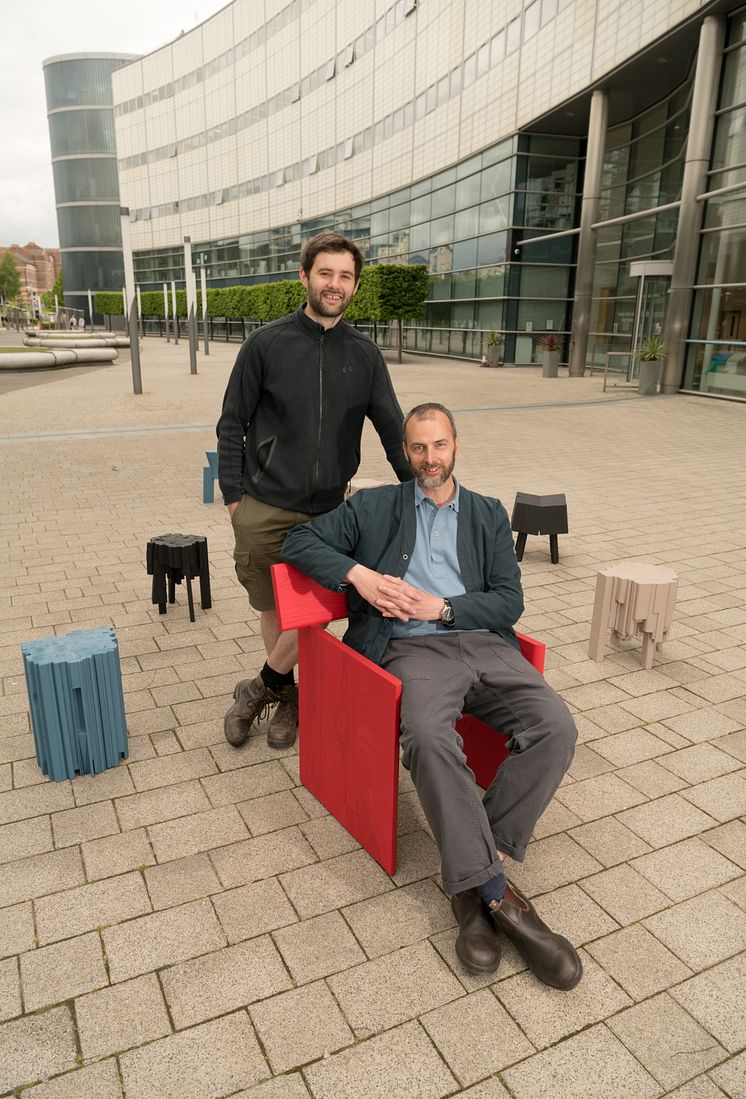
(317, 470)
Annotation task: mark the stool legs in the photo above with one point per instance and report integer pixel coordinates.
(158, 594)
(190, 596)
(205, 595)
(520, 545)
(601, 615)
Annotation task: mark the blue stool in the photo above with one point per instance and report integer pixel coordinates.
(77, 706)
(209, 476)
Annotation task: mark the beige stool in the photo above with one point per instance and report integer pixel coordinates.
(633, 599)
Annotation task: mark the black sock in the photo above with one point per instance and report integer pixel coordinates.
(274, 679)
(493, 890)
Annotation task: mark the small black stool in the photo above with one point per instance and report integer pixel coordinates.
(539, 515)
(178, 557)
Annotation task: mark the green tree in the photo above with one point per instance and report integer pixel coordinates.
(47, 298)
(391, 292)
(402, 293)
(10, 280)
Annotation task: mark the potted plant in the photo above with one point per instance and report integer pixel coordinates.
(650, 354)
(550, 345)
(495, 350)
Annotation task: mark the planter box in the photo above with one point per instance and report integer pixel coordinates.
(493, 357)
(648, 381)
(550, 364)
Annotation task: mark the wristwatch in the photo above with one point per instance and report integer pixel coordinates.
(447, 616)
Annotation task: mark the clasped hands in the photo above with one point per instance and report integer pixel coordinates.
(394, 597)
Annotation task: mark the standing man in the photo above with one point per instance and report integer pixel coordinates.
(434, 593)
(288, 444)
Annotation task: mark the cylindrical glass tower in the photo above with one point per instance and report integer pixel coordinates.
(86, 186)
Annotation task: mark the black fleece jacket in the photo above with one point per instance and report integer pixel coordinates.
(293, 413)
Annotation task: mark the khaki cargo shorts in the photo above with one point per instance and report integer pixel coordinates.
(260, 530)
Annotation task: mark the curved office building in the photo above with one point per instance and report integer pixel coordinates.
(86, 187)
(559, 165)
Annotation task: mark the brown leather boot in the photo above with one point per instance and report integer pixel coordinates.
(283, 728)
(477, 947)
(253, 701)
(553, 959)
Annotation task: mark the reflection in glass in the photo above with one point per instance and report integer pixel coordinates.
(491, 281)
(88, 131)
(491, 249)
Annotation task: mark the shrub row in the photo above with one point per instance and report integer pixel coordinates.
(387, 292)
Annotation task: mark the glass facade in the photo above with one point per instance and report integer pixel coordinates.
(489, 227)
(81, 132)
(716, 355)
(643, 171)
(461, 223)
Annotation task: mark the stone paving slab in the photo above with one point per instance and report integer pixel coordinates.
(129, 1014)
(99, 1081)
(196, 918)
(36, 1046)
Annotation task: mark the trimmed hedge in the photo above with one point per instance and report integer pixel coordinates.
(388, 291)
(262, 302)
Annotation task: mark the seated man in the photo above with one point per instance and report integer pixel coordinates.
(434, 593)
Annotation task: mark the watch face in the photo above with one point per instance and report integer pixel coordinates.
(447, 615)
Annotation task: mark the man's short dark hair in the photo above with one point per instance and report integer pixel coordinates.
(427, 412)
(330, 242)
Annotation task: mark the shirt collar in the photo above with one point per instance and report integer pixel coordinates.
(419, 496)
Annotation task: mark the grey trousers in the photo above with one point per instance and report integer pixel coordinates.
(473, 672)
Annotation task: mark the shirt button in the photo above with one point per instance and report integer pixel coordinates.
(405, 557)
(436, 533)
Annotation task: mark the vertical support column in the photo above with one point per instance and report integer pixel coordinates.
(90, 310)
(139, 312)
(191, 295)
(594, 162)
(691, 213)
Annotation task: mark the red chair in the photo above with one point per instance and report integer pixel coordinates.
(349, 719)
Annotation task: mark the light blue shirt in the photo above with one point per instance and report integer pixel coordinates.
(434, 565)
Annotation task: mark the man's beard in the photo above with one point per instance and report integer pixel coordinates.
(434, 480)
(326, 309)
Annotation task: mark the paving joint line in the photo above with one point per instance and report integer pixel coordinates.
(172, 429)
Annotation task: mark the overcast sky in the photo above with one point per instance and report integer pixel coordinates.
(46, 28)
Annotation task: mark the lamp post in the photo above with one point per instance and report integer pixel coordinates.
(130, 306)
(173, 311)
(191, 295)
(165, 312)
(203, 287)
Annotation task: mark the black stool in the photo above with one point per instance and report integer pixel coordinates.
(539, 515)
(179, 557)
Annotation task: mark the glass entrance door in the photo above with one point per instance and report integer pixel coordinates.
(650, 314)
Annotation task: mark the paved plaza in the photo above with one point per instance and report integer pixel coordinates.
(193, 924)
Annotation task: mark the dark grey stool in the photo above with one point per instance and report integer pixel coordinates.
(539, 515)
(177, 557)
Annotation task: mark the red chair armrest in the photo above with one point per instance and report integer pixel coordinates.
(534, 651)
(300, 601)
